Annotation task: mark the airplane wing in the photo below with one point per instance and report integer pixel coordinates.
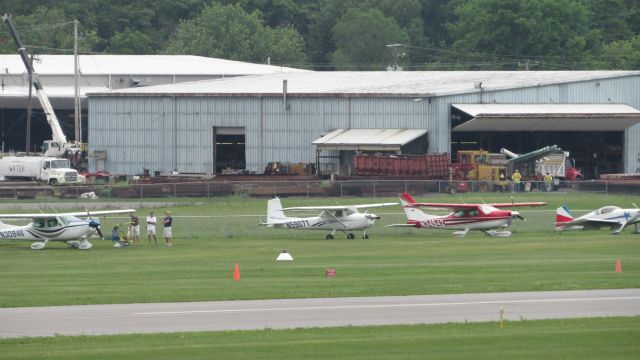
(508, 205)
(444, 206)
(590, 222)
(83, 213)
(337, 207)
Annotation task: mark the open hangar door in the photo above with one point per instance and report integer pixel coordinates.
(229, 149)
(592, 133)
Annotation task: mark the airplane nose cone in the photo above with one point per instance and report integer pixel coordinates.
(372, 217)
(515, 214)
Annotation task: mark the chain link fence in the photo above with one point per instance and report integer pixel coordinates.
(345, 188)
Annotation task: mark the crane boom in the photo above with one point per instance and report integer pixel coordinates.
(59, 143)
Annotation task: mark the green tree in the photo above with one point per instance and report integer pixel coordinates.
(622, 54)
(361, 39)
(47, 31)
(554, 29)
(131, 42)
(231, 33)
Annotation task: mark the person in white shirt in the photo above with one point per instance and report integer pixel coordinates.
(151, 228)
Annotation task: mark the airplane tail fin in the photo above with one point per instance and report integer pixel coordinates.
(563, 216)
(274, 211)
(413, 213)
(407, 198)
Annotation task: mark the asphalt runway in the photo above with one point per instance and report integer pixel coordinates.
(304, 313)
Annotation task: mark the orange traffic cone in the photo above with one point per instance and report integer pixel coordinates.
(618, 265)
(236, 273)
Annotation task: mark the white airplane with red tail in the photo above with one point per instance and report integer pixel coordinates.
(464, 217)
(607, 216)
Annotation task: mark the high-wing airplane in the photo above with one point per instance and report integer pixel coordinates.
(464, 217)
(334, 218)
(65, 227)
(608, 216)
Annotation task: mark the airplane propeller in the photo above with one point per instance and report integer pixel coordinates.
(94, 224)
(514, 213)
(372, 216)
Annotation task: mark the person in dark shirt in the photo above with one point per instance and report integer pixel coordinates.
(168, 220)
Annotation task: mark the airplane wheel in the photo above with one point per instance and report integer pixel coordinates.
(350, 236)
(329, 237)
(365, 236)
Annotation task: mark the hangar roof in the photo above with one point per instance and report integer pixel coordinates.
(368, 139)
(548, 117)
(137, 64)
(371, 83)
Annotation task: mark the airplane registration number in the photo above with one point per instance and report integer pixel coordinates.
(297, 224)
(432, 223)
(11, 234)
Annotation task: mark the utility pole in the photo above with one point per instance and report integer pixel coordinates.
(30, 74)
(77, 107)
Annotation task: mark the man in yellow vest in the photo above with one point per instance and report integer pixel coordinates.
(516, 177)
(548, 181)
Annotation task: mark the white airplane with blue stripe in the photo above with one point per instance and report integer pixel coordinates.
(344, 218)
(64, 227)
(608, 216)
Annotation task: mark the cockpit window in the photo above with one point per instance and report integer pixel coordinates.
(52, 222)
(606, 210)
(39, 223)
(459, 213)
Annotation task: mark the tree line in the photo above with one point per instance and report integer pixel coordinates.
(345, 34)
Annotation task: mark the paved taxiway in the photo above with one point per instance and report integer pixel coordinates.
(293, 313)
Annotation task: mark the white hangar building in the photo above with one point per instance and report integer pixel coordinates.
(96, 73)
(246, 122)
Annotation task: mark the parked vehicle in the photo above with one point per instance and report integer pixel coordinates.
(50, 170)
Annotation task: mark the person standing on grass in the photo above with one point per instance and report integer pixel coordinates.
(516, 181)
(151, 228)
(548, 181)
(135, 228)
(168, 220)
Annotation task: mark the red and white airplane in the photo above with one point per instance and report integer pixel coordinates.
(464, 217)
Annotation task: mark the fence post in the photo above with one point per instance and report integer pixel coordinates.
(374, 188)
(606, 187)
(208, 185)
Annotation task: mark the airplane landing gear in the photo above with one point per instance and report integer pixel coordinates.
(38, 245)
(330, 237)
(350, 236)
(365, 236)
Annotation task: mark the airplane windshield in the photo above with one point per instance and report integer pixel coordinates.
(64, 220)
(459, 213)
(606, 210)
(60, 164)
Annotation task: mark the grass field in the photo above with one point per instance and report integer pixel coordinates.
(599, 338)
(211, 238)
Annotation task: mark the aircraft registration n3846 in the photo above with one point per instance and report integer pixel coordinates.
(63, 227)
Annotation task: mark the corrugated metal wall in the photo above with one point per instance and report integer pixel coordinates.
(142, 132)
